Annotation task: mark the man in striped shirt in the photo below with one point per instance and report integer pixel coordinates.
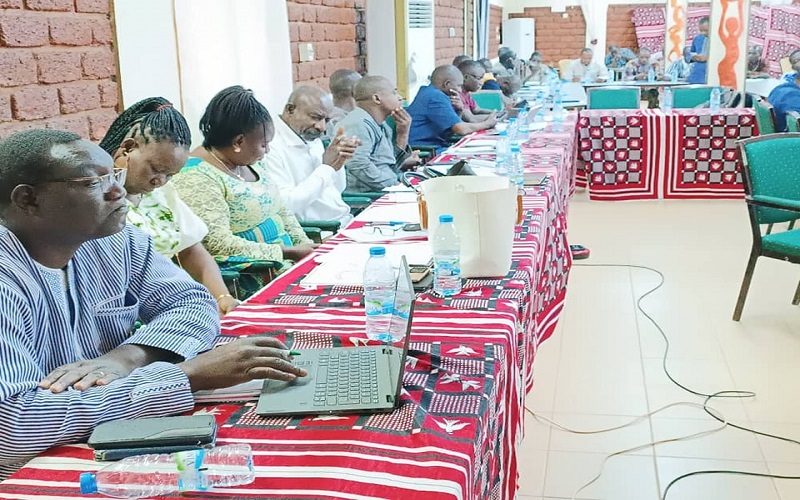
(73, 280)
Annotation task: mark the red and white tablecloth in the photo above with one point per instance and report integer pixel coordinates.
(470, 365)
(647, 154)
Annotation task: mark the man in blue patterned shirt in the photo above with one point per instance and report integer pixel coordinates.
(73, 280)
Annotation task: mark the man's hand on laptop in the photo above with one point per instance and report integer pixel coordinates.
(240, 361)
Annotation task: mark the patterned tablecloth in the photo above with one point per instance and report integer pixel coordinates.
(470, 365)
(647, 154)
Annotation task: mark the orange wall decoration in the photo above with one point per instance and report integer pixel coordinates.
(676, 29)
(728, 36)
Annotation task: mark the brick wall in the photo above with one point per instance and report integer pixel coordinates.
(57, 66)
(448, 14)
(620, 28)
(495, 25)
(556, 38)
(337, 31)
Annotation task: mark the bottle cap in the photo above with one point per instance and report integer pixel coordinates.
(88, 483)
(445, 218)
(503, 133)
(515, 148)
(376, 251)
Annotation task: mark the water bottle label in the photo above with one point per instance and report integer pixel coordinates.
(448, 268)
(189, 460)
(378, 306)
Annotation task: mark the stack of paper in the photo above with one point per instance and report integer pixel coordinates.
(344, 265)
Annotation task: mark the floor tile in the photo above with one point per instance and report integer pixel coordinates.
(714, 486)
(626, 477)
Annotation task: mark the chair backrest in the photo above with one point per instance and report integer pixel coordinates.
(771, 167)
(613, 97)
(562, 66)
(793, 121)
(765, 116)
(488, 99)
(690, 96)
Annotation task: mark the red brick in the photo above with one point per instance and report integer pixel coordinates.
(99, 123)
(109, 94)
(10, 4)
(294, 32)
(17, 67)
(77, 97)
(102, 32)
(23, 31)
(33, 103)
(5, 107)
(97, 6)
(98, 63)
(318, 32)
(295, 12)
(306, 33)
(303, 71)
(59, 5)
(71, 30)
(77, 124)
(59, 66)
(309, 14)
(346, 33)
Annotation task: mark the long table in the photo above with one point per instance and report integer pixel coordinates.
(649, 154)
(456, 431)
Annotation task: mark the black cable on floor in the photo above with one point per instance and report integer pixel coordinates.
(709, 397)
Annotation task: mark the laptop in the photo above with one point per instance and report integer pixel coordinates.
(364, 379)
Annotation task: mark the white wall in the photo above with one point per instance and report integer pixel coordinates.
(381, 52)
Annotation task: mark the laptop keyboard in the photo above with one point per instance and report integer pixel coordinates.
(347, 378)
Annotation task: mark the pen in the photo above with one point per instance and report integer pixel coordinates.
(287, 352)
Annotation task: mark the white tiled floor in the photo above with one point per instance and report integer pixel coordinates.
(603, 365)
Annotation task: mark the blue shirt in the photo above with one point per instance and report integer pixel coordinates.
(697, 72)
(110, 283)
(490, 85)
(432, 117)
(784, 98)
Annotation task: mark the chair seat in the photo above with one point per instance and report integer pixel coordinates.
(786, 242)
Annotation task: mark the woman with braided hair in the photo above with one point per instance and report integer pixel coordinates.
(151, 140)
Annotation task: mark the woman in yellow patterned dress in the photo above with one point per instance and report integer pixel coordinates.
(225, 184)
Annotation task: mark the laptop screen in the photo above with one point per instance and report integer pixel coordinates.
(402, 315)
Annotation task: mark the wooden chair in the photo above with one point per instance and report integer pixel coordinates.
(765, 116)
(562, 66)
(613, 97)
(771, 175)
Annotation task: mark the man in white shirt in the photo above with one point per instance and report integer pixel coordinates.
(585, 70)
(310, 177)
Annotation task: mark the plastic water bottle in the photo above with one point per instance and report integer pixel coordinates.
(379, 286)
(522, 124)
(651, 75)
(512, 129)
(714, 102)
(558, 112)
(516, 171)
(144, 476)
(446, 258)
(501, 154)
(666, 100)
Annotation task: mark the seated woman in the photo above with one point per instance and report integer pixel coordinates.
(227, 187)
(151, 140)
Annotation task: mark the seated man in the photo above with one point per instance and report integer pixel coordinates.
(618, 57)
(489, 80)
(678, 70)
(510, 86)
(378, 161)
(584, 70)
(639, 68)
(433, 118)
(537, 70)
(342, 83)
(756, 66)
(460, 59)
(786, 96)
(507, 64)
(473, 77)
(309, 177)
(73, 280)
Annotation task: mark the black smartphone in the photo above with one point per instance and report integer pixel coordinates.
(412, 227)
(418, 273)
(196, 430)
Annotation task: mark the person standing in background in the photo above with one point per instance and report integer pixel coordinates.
(699, 54)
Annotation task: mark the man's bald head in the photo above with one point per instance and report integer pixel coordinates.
(378, 96)
(509, 85)
(307, 111)
(342, 83)
(371, 85)
(447, 78)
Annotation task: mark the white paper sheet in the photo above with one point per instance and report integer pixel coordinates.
(344, 265)
(404, 212)
(360, 236)
(398, 188)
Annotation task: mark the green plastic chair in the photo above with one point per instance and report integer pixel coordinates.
(488, 100)
(793, 121)
(765, 116)
(690, 96)
(613, 97)
(771, 176)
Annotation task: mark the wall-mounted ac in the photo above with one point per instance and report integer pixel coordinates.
(421, 44)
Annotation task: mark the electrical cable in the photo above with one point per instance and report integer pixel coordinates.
(708, 397)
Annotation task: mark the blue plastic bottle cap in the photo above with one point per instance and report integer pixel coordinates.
(445, 218)
(377, 251)
(88, 483)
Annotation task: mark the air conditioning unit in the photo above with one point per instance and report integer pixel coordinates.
(421, 44)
